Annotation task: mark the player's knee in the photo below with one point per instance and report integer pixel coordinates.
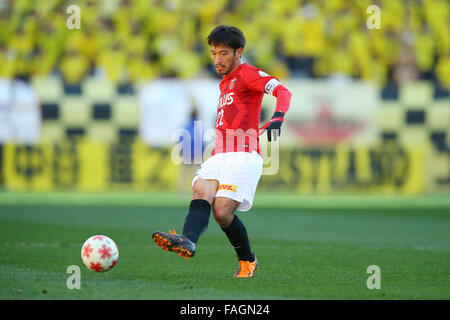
(203, 195)
(222, 213)
(204, 190)
(218, 211)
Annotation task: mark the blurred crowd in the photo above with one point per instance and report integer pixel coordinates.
(135, 40)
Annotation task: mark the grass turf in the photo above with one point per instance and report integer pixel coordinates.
(308, 249)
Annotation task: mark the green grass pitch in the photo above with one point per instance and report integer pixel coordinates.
(307, 247)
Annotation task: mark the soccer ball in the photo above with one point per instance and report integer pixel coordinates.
(99, 253)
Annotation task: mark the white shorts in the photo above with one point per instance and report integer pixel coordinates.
(238, 174)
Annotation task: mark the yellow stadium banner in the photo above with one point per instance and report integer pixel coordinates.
(87, 165)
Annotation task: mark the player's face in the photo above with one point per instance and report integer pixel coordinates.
(225, 59)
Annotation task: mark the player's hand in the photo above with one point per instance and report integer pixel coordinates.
(273, 126)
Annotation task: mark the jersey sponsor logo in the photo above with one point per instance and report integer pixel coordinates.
(270, 86)
(227, 187)
(225, 100)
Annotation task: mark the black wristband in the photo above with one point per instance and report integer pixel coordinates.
(278, 114)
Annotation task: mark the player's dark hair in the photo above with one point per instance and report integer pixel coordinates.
(227, 35)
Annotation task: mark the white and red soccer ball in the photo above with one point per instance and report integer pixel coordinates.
(99, 253)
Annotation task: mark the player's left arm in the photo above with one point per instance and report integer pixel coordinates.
(258, 80)
(283, 95)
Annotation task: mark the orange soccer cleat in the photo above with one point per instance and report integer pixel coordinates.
(174, 242)
(246, 269)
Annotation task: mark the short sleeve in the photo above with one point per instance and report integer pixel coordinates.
(257, 80)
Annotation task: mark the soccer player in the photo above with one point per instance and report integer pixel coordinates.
(227, 181)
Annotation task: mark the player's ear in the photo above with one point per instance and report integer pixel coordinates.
(239, 52)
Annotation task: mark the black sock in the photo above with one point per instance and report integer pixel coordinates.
(237, 234)
(197, 220)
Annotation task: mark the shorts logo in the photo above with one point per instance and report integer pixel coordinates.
(228, 187)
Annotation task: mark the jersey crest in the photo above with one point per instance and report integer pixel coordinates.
(232, 83)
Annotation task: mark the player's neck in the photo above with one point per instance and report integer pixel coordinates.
(238, 63)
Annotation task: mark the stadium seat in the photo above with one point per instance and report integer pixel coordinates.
(413, 136)
(50, 111)
(439, 115)
(101, 131)
(126, 112)
(438, 139)
(51, 132)
(418, 93)
(389, 92)
(74, 111)
(98, 90)
(415, 116)
(440, 92)
(389, 116)
(48, 88)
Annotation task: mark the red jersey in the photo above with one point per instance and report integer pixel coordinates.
(239, 109)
